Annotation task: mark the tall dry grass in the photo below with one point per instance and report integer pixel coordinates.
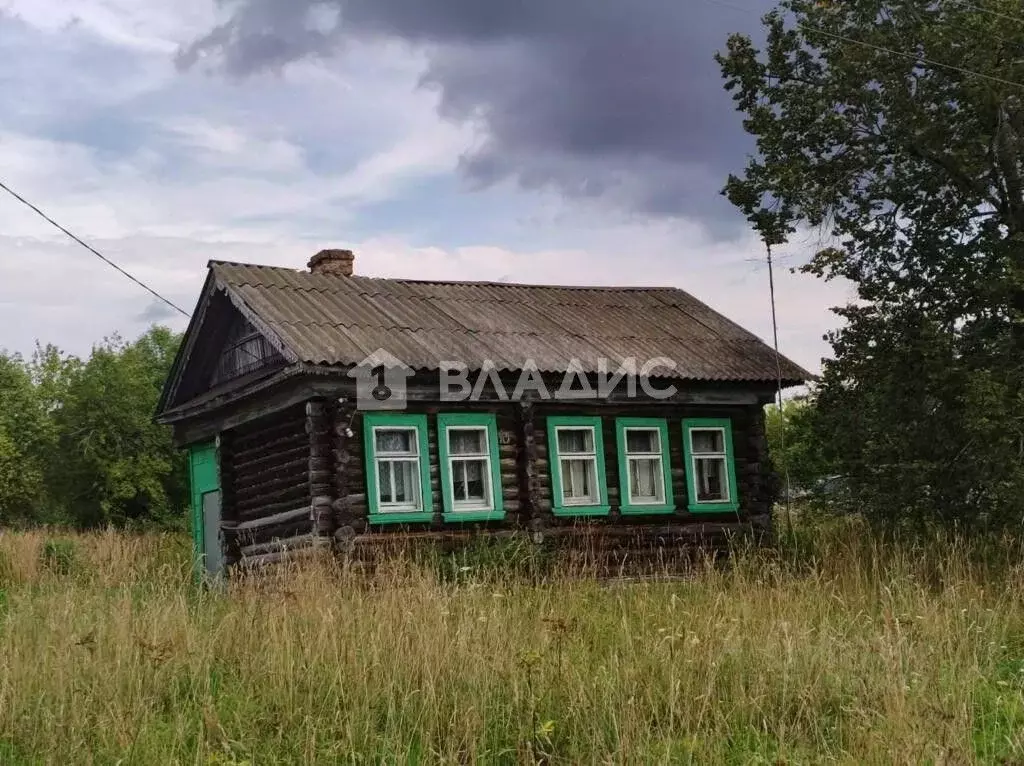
(837, 648)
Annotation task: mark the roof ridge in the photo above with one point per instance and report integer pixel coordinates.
(469, 331)
(457, 282)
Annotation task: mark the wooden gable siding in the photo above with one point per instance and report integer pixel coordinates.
(244, 350)
(205, 365)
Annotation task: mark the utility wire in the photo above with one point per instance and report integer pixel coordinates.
(996, 14)
(92, 249)
(882, 49)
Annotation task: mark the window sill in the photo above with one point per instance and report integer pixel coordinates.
(400, 517)
(582, 510)
(646, 510)
(714, 508)
(456, 516)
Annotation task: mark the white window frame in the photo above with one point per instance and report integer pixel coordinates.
(658, 455)
(579, 456)
(485, 457)
(390, 458)
(723, 456)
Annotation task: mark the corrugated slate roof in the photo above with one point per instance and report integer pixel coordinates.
(335, 320)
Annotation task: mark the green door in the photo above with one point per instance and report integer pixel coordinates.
(205, 484)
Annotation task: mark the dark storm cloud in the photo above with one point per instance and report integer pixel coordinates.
(613, 99)
(156, 312)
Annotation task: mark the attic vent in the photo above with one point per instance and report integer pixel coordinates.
(245, 351)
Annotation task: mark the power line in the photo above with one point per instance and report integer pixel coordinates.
(92, 250)
(996, 14)
(882, 49)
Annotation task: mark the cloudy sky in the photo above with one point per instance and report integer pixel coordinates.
(577, 142)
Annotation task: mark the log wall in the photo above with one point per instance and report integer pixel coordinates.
(351, 510)
(265, 485)
(297, 479)
(526, 473)
(749, 454)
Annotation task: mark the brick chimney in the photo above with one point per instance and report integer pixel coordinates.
(332, 263)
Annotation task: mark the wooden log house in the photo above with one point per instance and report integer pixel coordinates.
(325, 409)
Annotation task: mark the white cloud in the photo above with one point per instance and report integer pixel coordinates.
(163, 172)
(147, 27)
(228, 147)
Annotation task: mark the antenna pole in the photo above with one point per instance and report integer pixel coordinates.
(778, 373)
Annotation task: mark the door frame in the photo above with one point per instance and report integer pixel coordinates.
(204, 477)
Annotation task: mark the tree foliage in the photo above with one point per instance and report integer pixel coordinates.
(77, 439)
(912, 174)
(794, 445)
(24, 440)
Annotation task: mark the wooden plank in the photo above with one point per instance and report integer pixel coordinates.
(276, 490)
(259, 434)
(276, 518)
(280, 557)
(278, 544)
(280, 444)
(289, 497)
(268, 457)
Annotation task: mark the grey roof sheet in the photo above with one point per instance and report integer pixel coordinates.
(339, 321)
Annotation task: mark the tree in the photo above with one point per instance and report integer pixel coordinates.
(116, 466)
(794, 444)
(24, 439)
(896, 130)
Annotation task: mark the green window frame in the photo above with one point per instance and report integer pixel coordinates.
(492, 508)
(391, 513)
(666, 502)
(724, 425)
(599, 506)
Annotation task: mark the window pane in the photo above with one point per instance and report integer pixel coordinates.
(399, 482)
(467, 441)
(470, 482)
(459, 481)
(406, 482)
(575, 440)
(579, 481)
(645, 480)
(708, 440)
(396, 440)
(475, 480)
(387, 487)
(711, 481)
(645, 440)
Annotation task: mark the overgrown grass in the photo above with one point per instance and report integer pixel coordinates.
(833, 648)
